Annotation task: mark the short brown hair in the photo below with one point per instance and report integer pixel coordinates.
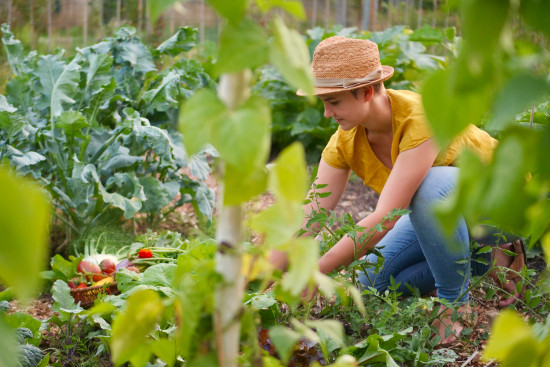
(376, 88)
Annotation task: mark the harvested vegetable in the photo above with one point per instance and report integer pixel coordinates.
(145, 253)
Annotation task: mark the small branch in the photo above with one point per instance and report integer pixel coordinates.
(469, 359)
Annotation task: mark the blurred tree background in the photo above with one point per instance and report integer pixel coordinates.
(46, 24)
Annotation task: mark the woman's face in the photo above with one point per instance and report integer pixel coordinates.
(347, 109)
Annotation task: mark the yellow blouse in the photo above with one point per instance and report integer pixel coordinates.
(351, 149)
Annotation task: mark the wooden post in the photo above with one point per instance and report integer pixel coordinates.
(100, 19)
(202, 23)
(434, 20)
(140, 16)
(85, 23)
(148, 27)
(10, 5)
(342, 13)
(31, 24)
(373, 11)
(406, 20)
(118, 7)
(390, 11)
(419, 19)
(171, 21)
(49, 10)
(327, 13)
(314, 14)
(447, 15)
(365, 15)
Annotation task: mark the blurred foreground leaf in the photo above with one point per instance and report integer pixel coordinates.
(24, 224)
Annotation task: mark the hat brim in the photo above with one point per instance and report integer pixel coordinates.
(387, 72)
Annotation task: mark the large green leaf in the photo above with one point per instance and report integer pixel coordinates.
(205, 199)
(233, 11)
(58, 82)
(441, 102)
(288, 178)
(162, 97)
(152, 137)
(194, 273)
(518, 93)
(199, 115)
(137, 55)
(511, 335)
(97, 69)
(535, 13)
(99, 100)
(279, 222)
(427, 35)
(157, 195)
(19, 91)
(182, 41)
(81, 188)
(484, 21)
(132, 326)
(165, 349)
(129, 206)
(8, 346)
(24, 224)
(242, 139)
(303, 255)
(63, 301)
(240, 186)
(242, 46)
(284, 340)
(293, 7)
(72, 122)
(289, 53)
(508, 182)
(22, 319)
(14, 49)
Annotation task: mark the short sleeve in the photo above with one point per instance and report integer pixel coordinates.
(332, 154)
(414, 131)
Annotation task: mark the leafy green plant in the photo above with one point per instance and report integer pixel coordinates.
(92, 129)
(28, 335)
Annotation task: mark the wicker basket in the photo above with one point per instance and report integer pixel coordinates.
(87, 296)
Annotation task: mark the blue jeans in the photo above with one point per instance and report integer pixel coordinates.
(417, 253)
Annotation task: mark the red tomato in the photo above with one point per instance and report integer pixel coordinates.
(81, 285)
(107, 266)
(88, 269)
(98, 277)
(145, 253)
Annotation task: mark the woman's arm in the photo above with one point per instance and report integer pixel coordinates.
(336, 180)
(407, 174)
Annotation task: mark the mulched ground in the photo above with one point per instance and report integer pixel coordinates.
(359, 201)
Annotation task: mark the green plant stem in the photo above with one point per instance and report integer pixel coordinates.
(104, 147)
(69, 224)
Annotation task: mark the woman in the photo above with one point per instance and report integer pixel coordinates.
(384, 138)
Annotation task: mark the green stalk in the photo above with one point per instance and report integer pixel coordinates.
(104, 147)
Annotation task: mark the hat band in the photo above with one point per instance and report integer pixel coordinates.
(347, 83)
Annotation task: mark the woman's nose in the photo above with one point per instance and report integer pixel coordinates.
(328, 112)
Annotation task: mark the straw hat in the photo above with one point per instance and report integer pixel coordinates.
(341, 64)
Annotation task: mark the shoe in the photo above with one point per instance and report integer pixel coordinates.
(516, 266)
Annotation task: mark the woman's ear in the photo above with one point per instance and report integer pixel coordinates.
(369, 92)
